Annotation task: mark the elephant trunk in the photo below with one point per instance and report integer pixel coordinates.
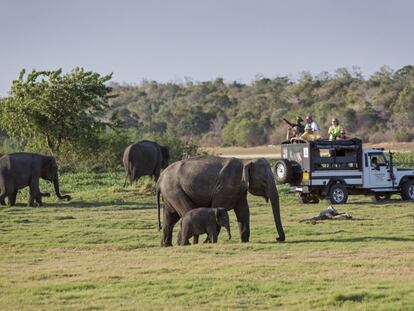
(57, 189)
(274, 200)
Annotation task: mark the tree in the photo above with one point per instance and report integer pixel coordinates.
(55, 111)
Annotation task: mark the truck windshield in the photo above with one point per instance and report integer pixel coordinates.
(379, 159)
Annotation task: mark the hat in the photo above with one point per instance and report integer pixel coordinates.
(308, 127)
(299, 119)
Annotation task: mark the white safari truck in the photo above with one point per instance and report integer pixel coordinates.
(336, 169)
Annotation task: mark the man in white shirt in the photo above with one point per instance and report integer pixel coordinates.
(313, 124)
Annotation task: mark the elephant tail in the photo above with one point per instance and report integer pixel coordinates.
(159, 208)
(127, 161)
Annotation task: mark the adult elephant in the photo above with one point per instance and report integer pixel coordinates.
(19, 170)
(215, 182)
(145, 158)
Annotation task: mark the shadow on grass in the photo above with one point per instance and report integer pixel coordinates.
(119, 205)
(369, 202)
(351, 240)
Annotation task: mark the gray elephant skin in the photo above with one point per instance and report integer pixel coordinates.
(209, 181)
(145, 158)
(203, 220)
(20, 170)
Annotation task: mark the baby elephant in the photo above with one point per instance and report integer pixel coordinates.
(203, 220)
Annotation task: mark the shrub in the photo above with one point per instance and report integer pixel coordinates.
(403, 136)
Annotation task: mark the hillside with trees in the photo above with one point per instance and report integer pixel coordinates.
(377, 108)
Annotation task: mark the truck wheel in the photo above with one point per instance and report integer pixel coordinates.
(407, 191)
(283, 171)
(381, 197)
(338, 194)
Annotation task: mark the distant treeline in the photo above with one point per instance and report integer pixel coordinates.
(375, 108)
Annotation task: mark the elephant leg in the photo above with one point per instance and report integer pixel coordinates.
(218, 230)
(34, 192)
(2, 198)
(179, 237)
(243, 219)
(170, 219)
(212, 234)
(176, 205)
(156, 174)
(207, 240)
(185, 240)
(11, 194)
(12, 198)
(195, 239)
(39, 199)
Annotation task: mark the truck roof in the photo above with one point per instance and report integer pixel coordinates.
(324, 144)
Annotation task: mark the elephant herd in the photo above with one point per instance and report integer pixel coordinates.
(200, 189)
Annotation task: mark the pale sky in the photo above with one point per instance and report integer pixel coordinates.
(233, 39)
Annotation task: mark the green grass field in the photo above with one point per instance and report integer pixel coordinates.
(101, 252)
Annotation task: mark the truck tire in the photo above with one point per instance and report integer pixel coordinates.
(283, 171)
(381, 197)
(407, 190)
(338, 194)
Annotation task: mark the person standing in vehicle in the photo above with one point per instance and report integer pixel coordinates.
(309, 135)
(334, 130)
(295, 129)
(313, 124)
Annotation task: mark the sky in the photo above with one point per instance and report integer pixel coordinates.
(170, 41)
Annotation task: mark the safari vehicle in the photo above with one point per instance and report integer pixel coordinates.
(335, 169)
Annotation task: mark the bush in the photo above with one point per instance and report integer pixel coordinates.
(179, 149)
(243, 133)
(403, 136)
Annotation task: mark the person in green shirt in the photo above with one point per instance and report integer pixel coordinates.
(334, 130)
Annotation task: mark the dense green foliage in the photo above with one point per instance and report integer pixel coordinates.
(376, 109)
(48, 110)
(101, 251)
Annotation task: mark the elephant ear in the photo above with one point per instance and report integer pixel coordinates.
(246, 174)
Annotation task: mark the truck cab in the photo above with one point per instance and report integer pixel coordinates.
(336, 169)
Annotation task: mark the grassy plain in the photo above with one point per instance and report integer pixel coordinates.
(101, 252)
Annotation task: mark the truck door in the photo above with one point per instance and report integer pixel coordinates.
(379, 176)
